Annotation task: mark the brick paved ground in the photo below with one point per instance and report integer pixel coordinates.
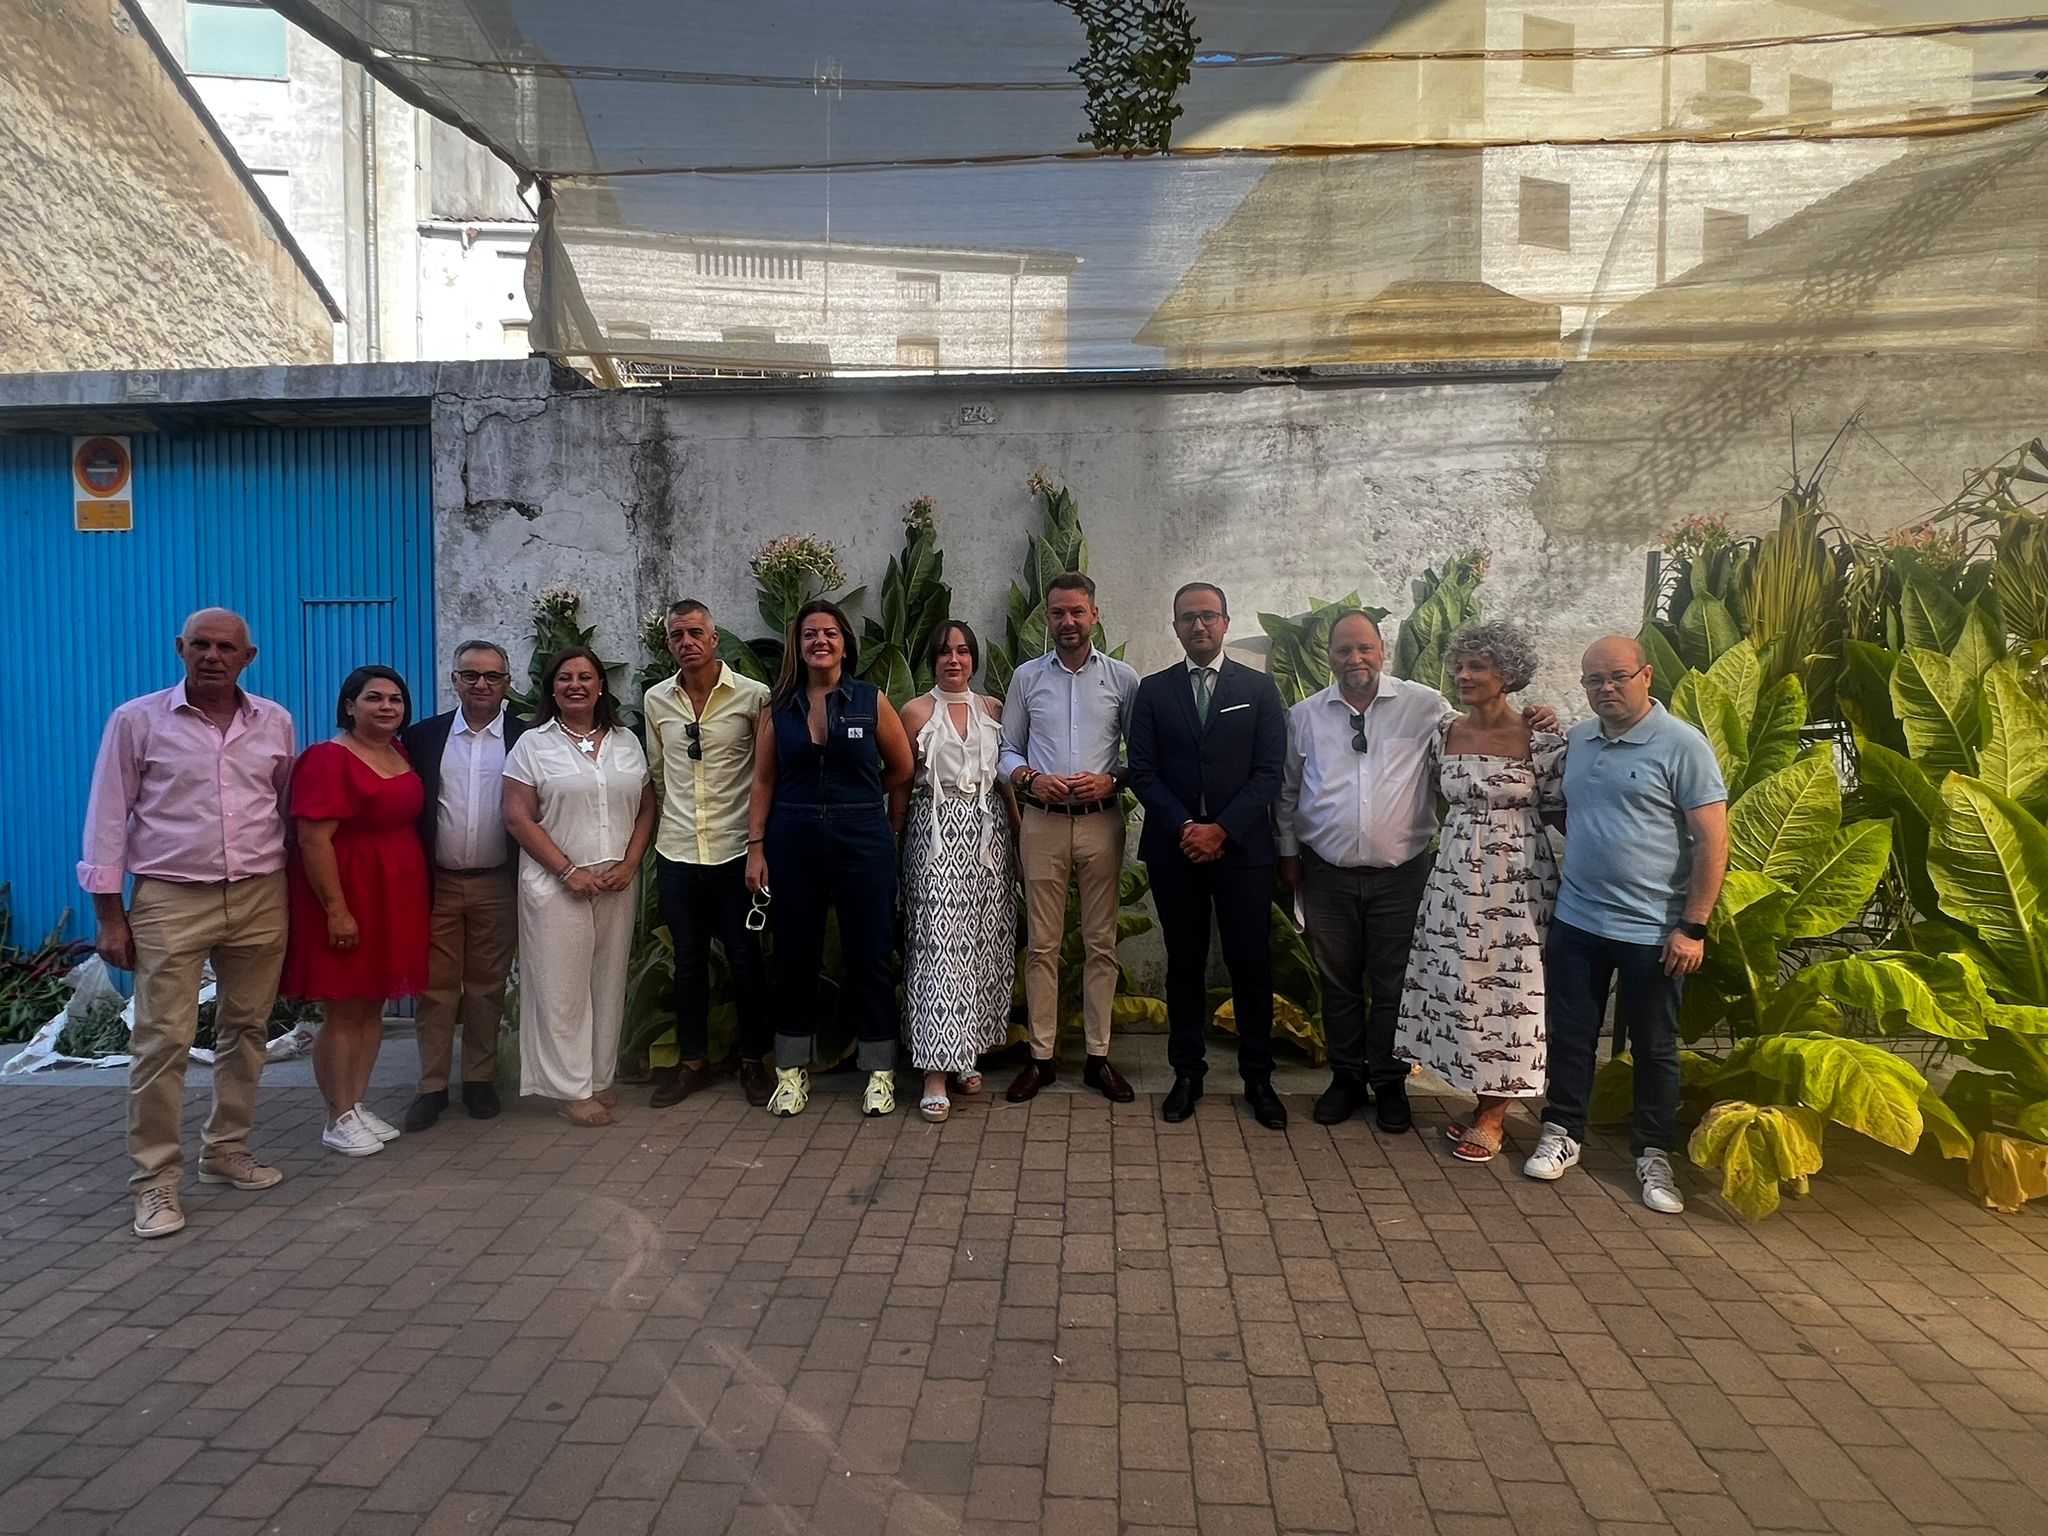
(1060, 1317)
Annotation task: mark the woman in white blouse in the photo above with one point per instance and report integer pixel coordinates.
(959, 903)
(579, 803)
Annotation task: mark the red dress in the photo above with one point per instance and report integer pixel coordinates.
(383, 879)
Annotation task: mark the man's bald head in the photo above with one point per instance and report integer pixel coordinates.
(215, 618)
(1612, 653)
(1617, 676)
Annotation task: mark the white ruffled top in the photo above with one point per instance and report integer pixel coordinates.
(956, 766)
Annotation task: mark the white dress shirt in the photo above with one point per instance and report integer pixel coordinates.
(1371, 809)
(587, 804)
(469, 823)
(1064, 723)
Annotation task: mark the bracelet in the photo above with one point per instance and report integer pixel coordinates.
(753, 841)
(566, 871)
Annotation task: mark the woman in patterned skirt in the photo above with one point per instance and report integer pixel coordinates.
(959, 905)
(1472, 1006)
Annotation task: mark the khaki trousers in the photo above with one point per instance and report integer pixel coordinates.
(475, 934)
(240, 926)
(1088, 850)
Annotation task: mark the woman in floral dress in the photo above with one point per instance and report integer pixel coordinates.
(1472, 1007)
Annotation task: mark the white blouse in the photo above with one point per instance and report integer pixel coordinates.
(587, 804)
(953, 766)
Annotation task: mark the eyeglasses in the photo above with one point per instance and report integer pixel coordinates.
(1358, 741)
(696, 745)
(1204, 618)
(470, 677)
(1592, 680)
(757, 913)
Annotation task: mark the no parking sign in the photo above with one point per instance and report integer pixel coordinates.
(101, 468)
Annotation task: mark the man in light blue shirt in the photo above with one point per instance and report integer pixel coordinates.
(1063, 730)
(1646, 846)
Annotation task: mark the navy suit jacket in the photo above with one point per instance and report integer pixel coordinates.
(1232, 765)
(425, 741)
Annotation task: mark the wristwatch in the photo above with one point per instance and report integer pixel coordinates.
(1691, 930)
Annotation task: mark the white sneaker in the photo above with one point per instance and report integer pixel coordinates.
(350, 1137)
(792, 1091)
(880, 1098)
(1555, 1152)
(376, 1125)
(1660, 1185)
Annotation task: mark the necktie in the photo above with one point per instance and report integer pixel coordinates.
(1203, 679)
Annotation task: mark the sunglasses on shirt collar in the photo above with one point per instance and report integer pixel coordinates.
(1358, 741)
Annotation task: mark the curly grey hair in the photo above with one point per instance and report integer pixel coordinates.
(1504, 647)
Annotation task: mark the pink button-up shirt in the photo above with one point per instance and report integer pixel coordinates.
(174, 798)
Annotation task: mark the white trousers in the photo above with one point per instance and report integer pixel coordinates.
(573, 954)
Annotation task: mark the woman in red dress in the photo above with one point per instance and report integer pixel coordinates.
(360, 896)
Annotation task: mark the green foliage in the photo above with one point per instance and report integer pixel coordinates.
(32, 989)
(1449, 601)
(1061, 546)
(1754, 725)
(915, 602)
(1298, 655)
(1759, 1150)
(101, 1032)
(557, 625)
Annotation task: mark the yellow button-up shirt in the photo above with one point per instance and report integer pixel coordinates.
(704, 798)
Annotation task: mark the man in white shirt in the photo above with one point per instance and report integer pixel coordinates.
(460, 758)
(1356, 816)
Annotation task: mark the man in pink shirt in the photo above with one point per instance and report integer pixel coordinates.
(188, 796)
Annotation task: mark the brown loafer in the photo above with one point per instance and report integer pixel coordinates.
(1036, 1075)
(673, 1090)
(1107, 1081)
(756, 1081)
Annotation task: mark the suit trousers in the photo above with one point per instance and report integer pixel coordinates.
(1361, 928)
(474, 935)
(240, 926)
(1089, 851)
(1241, 898)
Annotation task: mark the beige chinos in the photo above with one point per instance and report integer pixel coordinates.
(1090, 851)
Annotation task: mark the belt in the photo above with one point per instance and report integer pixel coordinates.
(495, 869)
(1087, 808)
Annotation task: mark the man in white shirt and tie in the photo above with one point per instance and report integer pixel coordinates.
(1357, 812)
(460, 758)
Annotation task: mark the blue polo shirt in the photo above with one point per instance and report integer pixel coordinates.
(1627, 848)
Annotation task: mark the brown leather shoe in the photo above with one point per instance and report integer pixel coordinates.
(673, 1090)
(1036, 1075)
(756, 1081)
(1107, 1081)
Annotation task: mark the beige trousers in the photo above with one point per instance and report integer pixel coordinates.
(1088, 850)
(475, 934)
(240, 926)
(573, 956)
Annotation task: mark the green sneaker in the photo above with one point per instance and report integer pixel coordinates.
(792, 1091)
(880, 1098)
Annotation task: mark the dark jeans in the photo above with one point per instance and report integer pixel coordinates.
(833, 858)
(1361, 927)
(699, 903)
(1241, 896)
(1580, 969)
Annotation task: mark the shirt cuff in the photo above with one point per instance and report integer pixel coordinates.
(102, 879)
(1288, 844)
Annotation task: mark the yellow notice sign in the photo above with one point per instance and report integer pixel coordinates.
(102, 470)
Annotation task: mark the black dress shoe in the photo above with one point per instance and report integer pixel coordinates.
(1036, 1075)
(1107, 1081)
(1265, 1105)
(677, 1084)
(481, 1100)
(756, 1081)
(1390, 1111)
(421, 1114)
(1180, 1099)
(1345, 1097)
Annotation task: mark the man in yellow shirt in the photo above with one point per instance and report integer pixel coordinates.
(700, 746)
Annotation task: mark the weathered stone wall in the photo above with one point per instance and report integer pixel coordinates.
(126, 238)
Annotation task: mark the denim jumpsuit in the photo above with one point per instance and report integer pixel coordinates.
(829, 845)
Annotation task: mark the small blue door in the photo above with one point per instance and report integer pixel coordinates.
(322, 537)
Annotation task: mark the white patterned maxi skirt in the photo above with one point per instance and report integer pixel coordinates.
(959, 932)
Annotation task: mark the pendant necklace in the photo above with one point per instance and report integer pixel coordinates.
(587, 745)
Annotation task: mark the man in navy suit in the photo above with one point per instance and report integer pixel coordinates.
(1208, 740)
(460, 758)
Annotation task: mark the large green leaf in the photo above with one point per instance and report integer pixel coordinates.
(1740, 675)
(1937, 708)
(2014, 761)
(1838, 888)
(1989, 861)
(1705, 630)
(1759, 1149)
(1852, 1082)
(1892, 782)
(1774, 733)
(1936, 994)
(1865, 692)
(1781, 825)
(1614, 1085)
(1701, 701)
(1667, 671)
(1945, 1126)
(1747, 924)
(1932, 616)
(1982, 640)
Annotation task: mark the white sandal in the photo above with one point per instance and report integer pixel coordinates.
(935, 1107)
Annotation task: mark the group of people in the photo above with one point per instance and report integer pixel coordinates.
(416, 858)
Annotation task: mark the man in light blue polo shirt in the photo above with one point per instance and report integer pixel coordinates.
(1646, 845)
